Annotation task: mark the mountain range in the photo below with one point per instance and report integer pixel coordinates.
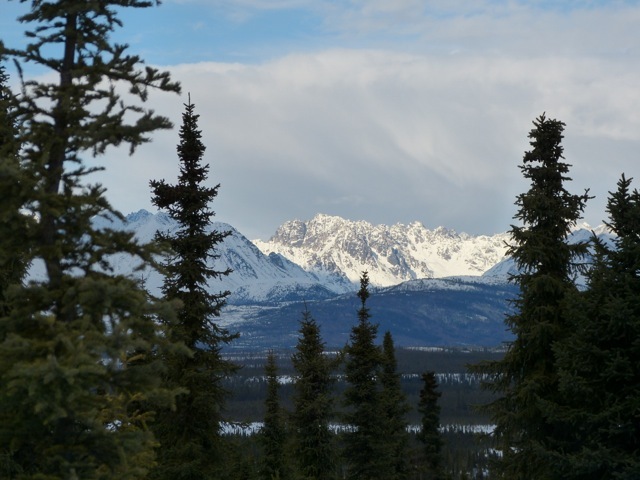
(331, 246)
(428, 287)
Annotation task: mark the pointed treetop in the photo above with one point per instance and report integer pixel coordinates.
(363, 293)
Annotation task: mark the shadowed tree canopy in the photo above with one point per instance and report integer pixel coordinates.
(273, 435)
(72, 342)
(313, 404)
(429, 435)
(15, 190)
(365, 449)
(190, 435)
(600, 360)
(395, 408)
(527, 378)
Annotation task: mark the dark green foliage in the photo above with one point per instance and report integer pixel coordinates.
(429, 435)
(71, 389)
(273, 435)
(600, 360)
(365, 448)
(189, 435)
(395, 408)
(461, 450)
(8, 130)
(313, 404)
(80, 112)
(527, 377)
(15, 189)
(194, 244)
(242, 459)
(75, 345)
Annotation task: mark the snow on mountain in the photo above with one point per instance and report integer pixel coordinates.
(423, 312)
(325, 256)
(255, 277)
(458, 283)
(503, 269)
(580, 233)
(430, 287)
(331, 246)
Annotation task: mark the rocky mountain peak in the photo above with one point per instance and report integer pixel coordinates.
(330, 245)
(292, 233)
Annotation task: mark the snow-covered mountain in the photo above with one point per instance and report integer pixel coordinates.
(256, 277)
(330, 246)
(325, 256)
(580, 233)
(455, 311)
(427, 285)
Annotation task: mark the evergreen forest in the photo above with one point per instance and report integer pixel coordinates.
(100, 379)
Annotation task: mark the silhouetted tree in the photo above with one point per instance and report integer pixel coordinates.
(15, 190)
(600, 360)
(527, 378)
(365, 448)
(395, 408)
(72, 342)
(429, 434)
(312, 404)
(191, 444)
(273, 435)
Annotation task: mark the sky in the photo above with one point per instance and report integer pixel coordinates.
(388, 111)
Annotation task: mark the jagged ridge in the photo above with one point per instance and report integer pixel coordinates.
(270, 290)
(256, 278)
(330, 245)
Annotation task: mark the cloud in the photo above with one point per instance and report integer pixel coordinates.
(388, 136)
(488, 26)
(390, 111)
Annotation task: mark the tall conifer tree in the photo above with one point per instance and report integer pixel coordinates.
(15, 190)
(395, 408)
(312, 404)
(71, 378)
(190, 435)
(365, 449)
(600, 360)
(527, 378)
(429, 435)
(273, 435)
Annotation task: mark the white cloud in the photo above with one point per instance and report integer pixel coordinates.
(399, 110)
(388, 136)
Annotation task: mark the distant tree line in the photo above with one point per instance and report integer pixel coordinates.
(373, 438)
(99, 379)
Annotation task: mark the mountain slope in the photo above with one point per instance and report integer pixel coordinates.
(269, 290)
(255, 277)
(332, 246)
(581, 233)
(456, 311)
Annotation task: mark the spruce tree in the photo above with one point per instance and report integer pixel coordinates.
(312, 404)
(74, 345)
(600, 361)
(395, 408)
(273, 434)
(526, 379)
(15, 191)
(429, 434)
(365, 450)
(191, 444)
